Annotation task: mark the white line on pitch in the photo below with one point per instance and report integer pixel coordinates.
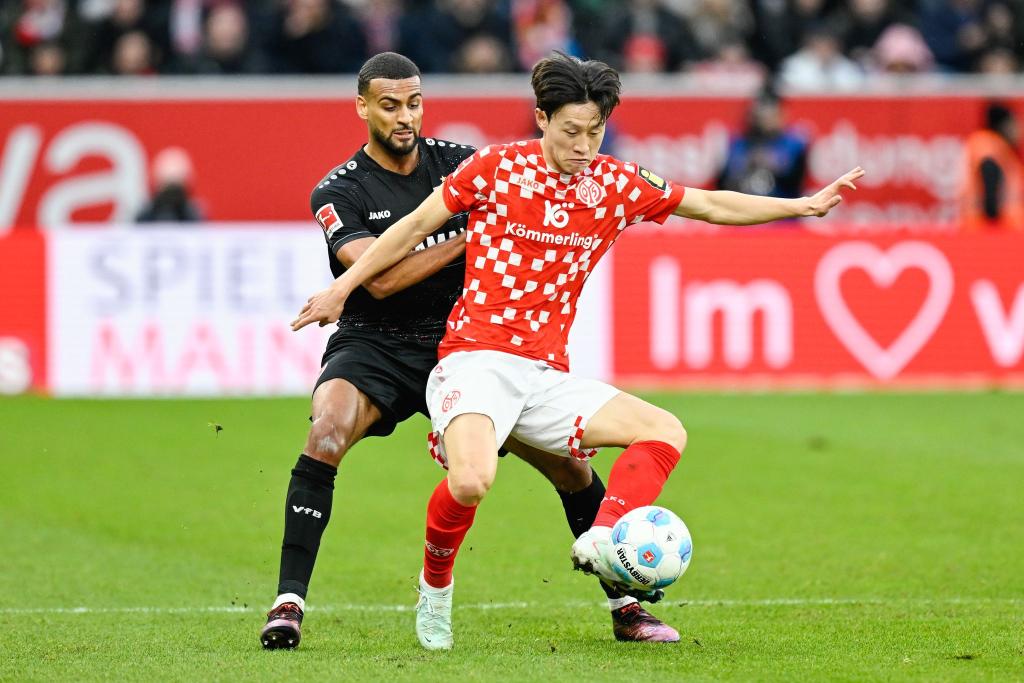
(768, 602)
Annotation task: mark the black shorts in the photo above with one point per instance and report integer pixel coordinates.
(391, 372)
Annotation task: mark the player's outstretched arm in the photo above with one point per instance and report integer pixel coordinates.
(415, 267)
(735, 208)
(326, 306)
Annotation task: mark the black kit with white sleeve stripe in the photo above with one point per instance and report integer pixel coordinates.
(361, 199)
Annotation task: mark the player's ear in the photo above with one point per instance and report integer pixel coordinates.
(362, 109)
(542, 119)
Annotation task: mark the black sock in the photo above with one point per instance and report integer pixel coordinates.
(580, 511)
(306, 513)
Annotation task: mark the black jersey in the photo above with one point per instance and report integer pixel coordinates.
(361, 199)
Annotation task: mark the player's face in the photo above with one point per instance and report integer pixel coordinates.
(393, 110)
(572, 136)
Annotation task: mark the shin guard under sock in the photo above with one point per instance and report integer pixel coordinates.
(448, 521)
(636, 479)
(307, 511)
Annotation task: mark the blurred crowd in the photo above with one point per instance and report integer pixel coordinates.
(805, 43)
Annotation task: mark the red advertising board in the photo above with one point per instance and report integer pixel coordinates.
(788, 307)
(205, 312)
(76, 160)
(22, 311)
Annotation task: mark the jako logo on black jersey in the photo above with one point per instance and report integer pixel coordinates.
(377, 215)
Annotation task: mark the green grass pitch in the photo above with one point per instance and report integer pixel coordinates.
(837, 537)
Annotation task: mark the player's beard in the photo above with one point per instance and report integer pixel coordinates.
(392, 146)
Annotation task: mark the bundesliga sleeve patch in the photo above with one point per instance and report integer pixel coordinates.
(328, 218)
(653, 179)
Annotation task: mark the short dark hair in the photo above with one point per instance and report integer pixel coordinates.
(559, 80)
(390, 65)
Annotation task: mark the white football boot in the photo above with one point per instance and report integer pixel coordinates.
(591, 552)
(434, 616)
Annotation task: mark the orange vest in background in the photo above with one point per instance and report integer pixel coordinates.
(980, 145)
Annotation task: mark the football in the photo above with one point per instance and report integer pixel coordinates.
(651, 547)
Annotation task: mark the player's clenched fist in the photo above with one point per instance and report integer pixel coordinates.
(827, 198)
(324, 308)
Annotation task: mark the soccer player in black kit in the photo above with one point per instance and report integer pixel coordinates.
(376, 365)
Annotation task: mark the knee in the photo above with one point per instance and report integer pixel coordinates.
(469, 488)
(666, 427)
(677, 437)
(329, 439)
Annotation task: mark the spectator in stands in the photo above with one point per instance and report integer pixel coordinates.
(715, 22)
(860, 24)
(901, 50)
(620, 24)
(1002, 42)
(731, 64)
(47, 59)
(644, 54)
(225, 47)
(172, 184)
(998, 61)
(40, 21)
(317, 36)
(954, 30)
(807, 41)
(768, 159)
(539, 27)
(380, 19)
(781, 26)
(133, 55)
(820, 64)
(128, 17)
(430, 34)
(33, 24)
(992, 196)
(483, 54)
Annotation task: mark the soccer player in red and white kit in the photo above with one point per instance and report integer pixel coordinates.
(541, 215)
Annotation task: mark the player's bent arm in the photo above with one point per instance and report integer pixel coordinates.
(416, 267)
(397, 241)
(735, 208)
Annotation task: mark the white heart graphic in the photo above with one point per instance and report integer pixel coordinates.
(883, 267)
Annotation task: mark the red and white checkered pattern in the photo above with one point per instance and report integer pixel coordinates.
(436, 447)
(532, 243)
(575, 444)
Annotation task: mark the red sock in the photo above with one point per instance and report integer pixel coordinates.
(636, 479)
(447, 524)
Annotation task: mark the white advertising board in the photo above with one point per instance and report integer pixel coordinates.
(205, 312)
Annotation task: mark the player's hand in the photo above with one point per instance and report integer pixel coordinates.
(324, 308)
(826, 199)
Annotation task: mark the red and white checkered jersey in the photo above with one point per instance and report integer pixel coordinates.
(533, 238)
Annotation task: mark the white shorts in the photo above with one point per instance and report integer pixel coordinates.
(524, 398)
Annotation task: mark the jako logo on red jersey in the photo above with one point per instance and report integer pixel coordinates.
(328, 219)
(590, 192)
(526, 183)
(450, 400)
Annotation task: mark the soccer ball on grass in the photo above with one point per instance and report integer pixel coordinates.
(650, 548)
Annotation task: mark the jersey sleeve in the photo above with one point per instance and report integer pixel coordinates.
(339, 216)
(649, 197)
(471, 183)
